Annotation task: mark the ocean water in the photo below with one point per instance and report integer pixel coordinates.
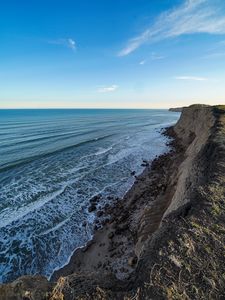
(52, 162)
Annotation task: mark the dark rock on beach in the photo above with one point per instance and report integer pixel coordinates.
(99, 213)
(132, 261)
(92, 208)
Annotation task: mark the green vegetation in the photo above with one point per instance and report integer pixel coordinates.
(219, 108)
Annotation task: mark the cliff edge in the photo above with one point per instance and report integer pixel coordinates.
(165, 239)
(176, 109)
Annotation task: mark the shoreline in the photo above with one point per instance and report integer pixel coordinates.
(107, 211)
(99, 170)
(85, 258)
(167, 239)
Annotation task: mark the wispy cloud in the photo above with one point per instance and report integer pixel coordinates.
(69, 43)
(107, 89)
(155, 56)
(193, 78)
(193, 16)
(143, 62)
(216, 52)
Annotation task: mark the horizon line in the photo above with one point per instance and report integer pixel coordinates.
(36, 108)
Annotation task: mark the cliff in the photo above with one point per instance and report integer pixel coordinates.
(176, 109)
(184, 259)
(166, 239)
(180, 109)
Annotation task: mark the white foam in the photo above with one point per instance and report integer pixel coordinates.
(102, 150)
(10, 215)
(55, 227)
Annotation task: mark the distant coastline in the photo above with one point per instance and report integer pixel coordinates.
(177, 109)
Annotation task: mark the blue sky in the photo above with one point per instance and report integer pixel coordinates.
(114, 53)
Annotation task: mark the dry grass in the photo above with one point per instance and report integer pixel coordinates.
(57, 293)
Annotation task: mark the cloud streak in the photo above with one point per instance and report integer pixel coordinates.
(216, 55)
(192, 17)
(155, 56)
(108, 89)
(69, 43)
(192, 78)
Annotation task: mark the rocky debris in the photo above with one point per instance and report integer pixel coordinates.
(99, 213)
(96, 227)
(104, 222)
(111, 235)
(132, 261)
(145, 163)
(92, 208)
(124, 270)
(95, 199)
(27, 288)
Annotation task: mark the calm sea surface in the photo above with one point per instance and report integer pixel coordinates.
(51, 163)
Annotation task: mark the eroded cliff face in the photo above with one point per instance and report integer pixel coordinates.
(193, 129)
(175, 216)
(182, 173)
(184, 258)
